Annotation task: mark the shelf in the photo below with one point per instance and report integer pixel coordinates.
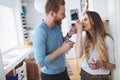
(25, 28)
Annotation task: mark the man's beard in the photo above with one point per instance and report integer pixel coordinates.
(58, 21)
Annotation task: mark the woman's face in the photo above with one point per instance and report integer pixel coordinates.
(86, 23)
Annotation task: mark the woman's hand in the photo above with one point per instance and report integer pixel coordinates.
(96, 64)
(72, 30)
(78, 25)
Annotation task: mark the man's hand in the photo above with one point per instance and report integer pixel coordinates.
(67, 45)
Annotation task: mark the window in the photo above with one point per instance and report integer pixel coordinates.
(8, 35)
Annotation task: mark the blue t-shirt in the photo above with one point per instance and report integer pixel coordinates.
(46, 41)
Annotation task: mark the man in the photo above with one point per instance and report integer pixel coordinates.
(49, 45)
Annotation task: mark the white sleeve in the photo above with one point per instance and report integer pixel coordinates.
(111, 49)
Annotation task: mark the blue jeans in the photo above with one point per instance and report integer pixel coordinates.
(61, 76)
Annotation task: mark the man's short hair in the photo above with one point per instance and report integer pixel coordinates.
(53, 5)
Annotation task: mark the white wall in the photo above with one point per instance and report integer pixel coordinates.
(101, 6)
(33, 17)
(114, 22)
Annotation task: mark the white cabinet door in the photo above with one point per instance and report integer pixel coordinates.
(2, 73)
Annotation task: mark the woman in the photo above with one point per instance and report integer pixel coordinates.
(97, 47)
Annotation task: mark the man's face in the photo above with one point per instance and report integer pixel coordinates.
(60, 15)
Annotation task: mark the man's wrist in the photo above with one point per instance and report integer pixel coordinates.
(68, 35)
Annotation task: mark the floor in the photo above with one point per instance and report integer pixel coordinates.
(75, 67)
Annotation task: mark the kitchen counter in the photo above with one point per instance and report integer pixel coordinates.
(14, 57)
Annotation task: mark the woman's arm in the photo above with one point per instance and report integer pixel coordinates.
(78, 46)
(111, 53)
(109, 66)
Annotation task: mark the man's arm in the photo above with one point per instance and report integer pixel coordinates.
(39, 45)
(70, 33)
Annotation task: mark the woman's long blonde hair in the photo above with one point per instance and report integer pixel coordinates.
(100, 35)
